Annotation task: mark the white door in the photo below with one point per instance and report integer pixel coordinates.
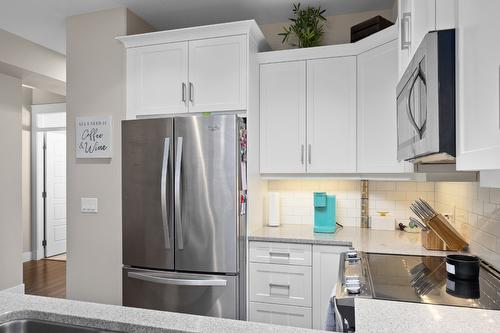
(283, 117)
(377, 109)
(157, 78)
(218, 74)
(478, 141)
(55, 188)
(326, 260)
(331, 115)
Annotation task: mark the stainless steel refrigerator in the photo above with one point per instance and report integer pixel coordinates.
(183, 228)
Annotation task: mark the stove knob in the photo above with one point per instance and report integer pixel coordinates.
(351, 254)
(354, 289)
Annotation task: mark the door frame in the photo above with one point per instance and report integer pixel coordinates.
(37, 182)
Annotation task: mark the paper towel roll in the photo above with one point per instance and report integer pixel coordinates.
(274, 209)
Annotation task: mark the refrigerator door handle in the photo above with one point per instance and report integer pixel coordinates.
(178, 202)
(177, 281)
(163, 185)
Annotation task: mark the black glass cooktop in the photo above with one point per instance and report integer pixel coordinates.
(424, 279)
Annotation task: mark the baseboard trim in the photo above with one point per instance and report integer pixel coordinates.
(27, 256)
(15, 290)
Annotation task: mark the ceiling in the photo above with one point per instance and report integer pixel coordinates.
(43, 21)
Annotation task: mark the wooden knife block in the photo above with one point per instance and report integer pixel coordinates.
(431, 241)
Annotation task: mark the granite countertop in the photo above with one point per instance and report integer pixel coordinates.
(391, 316)
(118, 318)
(362, 239)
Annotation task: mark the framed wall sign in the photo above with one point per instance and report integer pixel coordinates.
(93, 137)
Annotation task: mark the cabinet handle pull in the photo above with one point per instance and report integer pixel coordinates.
(278, 285)
(281, 255)
(191, 92)
(405, 31)
(309, 153)
(183, 92)
(302, 154)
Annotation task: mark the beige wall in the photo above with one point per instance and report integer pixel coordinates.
(96, 86)
(45, 97)
(338, 30)
(10, 180)
(37, 65)
(26, 167)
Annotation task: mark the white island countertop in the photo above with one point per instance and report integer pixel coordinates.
(362, 239)
(122, 319)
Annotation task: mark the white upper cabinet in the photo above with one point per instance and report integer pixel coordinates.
(478, 109)
(377, 127)
(416, 18)
(283, 117)
(156, 79)
(218, 74)
(197, 69)
(331, 115)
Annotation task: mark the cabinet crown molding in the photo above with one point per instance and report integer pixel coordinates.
(328, 51)
(247, 27)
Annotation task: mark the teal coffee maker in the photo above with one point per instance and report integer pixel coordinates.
(324, 212)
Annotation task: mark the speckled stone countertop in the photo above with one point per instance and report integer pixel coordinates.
(390, 316)
(362, 239)
(122, 319)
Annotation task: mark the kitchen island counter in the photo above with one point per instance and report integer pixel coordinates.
(121, 319)
(362, 239)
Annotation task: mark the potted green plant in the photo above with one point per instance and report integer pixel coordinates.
(307, 26)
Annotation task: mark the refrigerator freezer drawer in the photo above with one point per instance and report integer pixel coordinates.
(207, 295)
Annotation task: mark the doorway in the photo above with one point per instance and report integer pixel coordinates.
(49, 181)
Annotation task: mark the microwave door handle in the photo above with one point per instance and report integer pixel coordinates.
(424, 82)
(177, 199)
(408, 109)
(163, 187)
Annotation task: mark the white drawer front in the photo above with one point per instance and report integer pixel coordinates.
(280, 284)
(280, 314)
(281, 253)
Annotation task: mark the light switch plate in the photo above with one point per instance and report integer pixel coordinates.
(89, 205)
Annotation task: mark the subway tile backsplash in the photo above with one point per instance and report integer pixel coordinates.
(395, 197)
(476, 215)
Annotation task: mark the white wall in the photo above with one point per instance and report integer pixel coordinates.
(96, 86)
(338, 28)
(11, 274)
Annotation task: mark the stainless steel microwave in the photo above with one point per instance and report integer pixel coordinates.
(426, 102)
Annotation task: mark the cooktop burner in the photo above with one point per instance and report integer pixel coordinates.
(424, 279)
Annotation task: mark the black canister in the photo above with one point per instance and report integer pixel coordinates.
(462, 267)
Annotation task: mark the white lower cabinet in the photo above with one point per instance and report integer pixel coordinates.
(294, 292)
(280, 314)
(282, 284)
(326, 262)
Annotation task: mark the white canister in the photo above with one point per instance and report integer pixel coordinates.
(274, 209)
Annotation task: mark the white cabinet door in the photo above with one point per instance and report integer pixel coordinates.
(218, 74)
(423, 20)
(326, 260)
(156, 79)
(283, 117)
(331, 115)
(280, 253)
(478, 108)
(377, 126)
(404, 36)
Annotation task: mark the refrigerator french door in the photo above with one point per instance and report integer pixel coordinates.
(182, 238)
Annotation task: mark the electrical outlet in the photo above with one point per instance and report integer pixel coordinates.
(88, 205)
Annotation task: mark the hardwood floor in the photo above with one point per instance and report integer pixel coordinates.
(45, 278)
